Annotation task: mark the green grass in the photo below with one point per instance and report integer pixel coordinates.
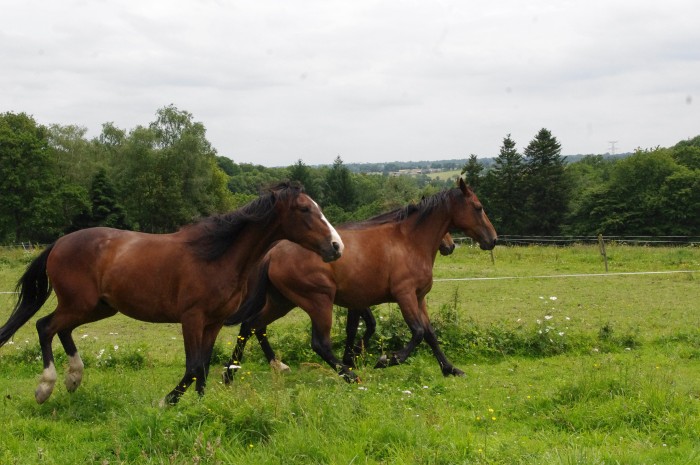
(605, 373)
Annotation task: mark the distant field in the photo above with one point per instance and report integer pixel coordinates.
(559, 370)
(442, 175)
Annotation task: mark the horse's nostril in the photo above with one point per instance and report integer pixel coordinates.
(336, 246)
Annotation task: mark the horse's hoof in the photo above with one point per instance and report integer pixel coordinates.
(279, 366)
(169, 401)
(43, 392)
(229, 371)
(383, 362)
(73, 380)
(453, 371)
(350, 377)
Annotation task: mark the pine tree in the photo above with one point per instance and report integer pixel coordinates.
(472, 172)
(506, 197)
(546, 190)
(341, 189)
(106, 211)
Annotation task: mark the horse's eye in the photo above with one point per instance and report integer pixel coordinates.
(479, 208)
(305, 209)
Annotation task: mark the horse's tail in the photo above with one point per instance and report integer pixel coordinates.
(34, 289)
(255, 298)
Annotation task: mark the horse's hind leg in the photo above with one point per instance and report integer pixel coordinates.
(353, 350)
(63, 323)
(74, 375)
(47, 381)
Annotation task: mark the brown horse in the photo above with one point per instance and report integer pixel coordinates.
(193, 277)
(389, 258)
(352, 350)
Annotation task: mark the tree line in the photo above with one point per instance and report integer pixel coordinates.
(155, 178)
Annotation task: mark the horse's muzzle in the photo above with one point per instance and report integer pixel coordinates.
(488, 245)
(334, 253)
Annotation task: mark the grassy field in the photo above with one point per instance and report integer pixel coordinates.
(559, 370)
(443, 175)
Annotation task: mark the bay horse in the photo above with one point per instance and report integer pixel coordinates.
(389, 258)
(352, 350)
(194, 277)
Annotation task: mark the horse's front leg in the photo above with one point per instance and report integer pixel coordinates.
(430, 337)
(321, 322)
(202, 367)
(197, 357)
(411, 314)
(234, 362)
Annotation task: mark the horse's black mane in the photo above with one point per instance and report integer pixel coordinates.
(215, 234)
(423, 209)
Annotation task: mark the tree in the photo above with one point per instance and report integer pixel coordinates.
(29, 208)
(545, 183)
(106, 210)
(300, 172)
(504, 190)
(340, 188)
(472, 172)
(168, 173)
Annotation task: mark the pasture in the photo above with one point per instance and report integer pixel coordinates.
(563, 370)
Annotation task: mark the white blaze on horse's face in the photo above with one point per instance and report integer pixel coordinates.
(335, 237)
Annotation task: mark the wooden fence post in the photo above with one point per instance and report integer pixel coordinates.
(601, 245)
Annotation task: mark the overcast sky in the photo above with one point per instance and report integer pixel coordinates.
(371, 81)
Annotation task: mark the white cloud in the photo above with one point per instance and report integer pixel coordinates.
(274, 81)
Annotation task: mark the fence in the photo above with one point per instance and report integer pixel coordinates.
(569, 240)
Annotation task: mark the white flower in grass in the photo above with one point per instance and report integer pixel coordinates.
(548, 317)
(553, 298)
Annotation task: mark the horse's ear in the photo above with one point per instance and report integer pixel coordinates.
(466, 190)
(273, 197)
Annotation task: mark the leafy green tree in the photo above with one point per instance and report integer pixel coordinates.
(648, 193)
(29, 206)
(588, 180)
(168, 173)
(680, 202)
(76, 158)
(546, 191)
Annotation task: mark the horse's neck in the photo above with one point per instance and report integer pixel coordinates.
(253, 241)
(428, 234)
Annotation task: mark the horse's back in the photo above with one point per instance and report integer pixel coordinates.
(94, 263)
(363, 271)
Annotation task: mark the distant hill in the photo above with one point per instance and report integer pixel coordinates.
(433, 166)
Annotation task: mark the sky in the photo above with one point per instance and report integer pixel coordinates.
(274, 82)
